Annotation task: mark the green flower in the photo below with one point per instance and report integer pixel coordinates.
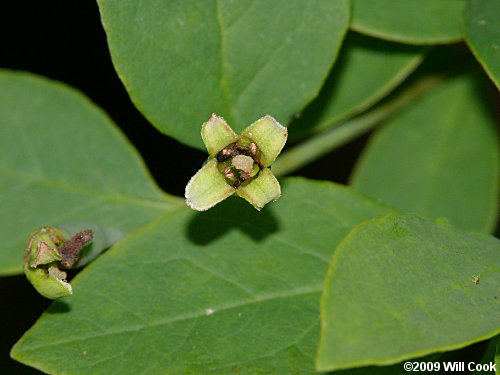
(47, 251)
(237, 164)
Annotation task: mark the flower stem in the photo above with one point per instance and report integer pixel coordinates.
(333, 137)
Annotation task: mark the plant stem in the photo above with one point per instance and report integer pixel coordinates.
(333, 137)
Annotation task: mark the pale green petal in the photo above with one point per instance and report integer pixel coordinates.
(264, 189)
(269, 136)
(207, 187)
(41, 248)
(45, 254)
(49, 284)
(217, 134)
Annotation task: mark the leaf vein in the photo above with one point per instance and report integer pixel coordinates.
(199, 314)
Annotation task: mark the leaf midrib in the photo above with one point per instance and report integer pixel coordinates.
(232, 102)
(226, 93)
(195, 315)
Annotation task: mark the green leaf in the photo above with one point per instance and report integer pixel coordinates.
(398, 369)
(184, 60)
(409, 21)
(400, 287)
(438, 158)
(226, 291)
(395, 369)
(482, 34)
(63, 160)
(367, 69)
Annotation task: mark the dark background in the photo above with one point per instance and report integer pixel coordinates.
(65, 41)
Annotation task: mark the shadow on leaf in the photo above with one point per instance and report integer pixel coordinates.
(58, 307)
(233, 213)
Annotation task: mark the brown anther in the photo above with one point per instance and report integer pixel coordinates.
(227, 151)
(229, 175)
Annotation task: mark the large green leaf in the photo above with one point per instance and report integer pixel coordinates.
(400, 287)
(230, 290)
(409, 21)
(366, 70)
(62, 160)
(183, 60)
(482, 34)
(439, 158)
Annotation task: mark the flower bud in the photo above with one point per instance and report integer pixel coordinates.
(47, 249)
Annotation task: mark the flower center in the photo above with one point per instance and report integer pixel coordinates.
(239, 164)
(243, 163)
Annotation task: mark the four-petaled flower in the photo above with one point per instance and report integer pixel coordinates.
(237, 164)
